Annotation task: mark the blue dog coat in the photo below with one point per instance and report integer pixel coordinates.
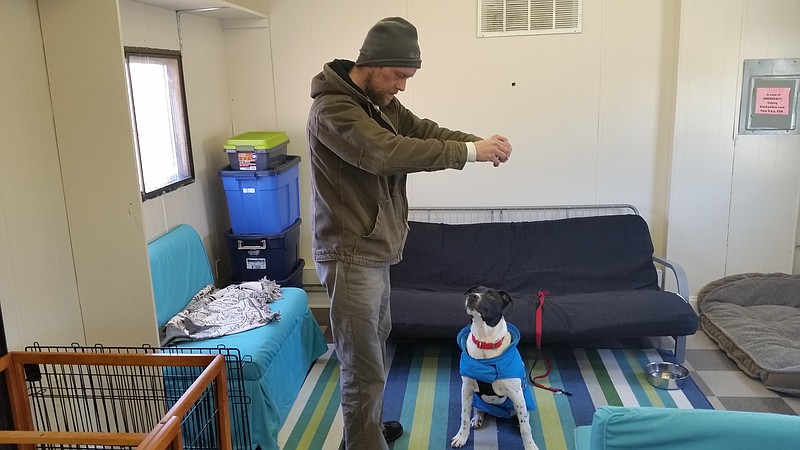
(507, 365)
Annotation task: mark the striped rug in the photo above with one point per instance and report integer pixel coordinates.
(423, 393)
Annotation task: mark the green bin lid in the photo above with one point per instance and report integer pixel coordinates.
(257, 139)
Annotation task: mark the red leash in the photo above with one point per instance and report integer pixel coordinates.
(539, 353)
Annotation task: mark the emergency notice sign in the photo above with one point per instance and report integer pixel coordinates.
(772, 100)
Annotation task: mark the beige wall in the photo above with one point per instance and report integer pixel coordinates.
(202, 45)
(733, 199)
(39, 293)
(74, 253)
(98, 169)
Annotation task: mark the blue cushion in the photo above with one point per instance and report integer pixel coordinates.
(179, 269)
(583, 437)
(630, 428)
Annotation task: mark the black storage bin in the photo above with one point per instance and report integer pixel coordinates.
(295, 279)
(255, 256)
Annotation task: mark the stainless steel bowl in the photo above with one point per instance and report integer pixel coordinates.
(666, 375)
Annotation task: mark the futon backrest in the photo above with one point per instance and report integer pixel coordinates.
(179, 269)
(575, 255)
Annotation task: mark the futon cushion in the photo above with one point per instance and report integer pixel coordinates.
(179, 269)
(567, 256)
(565, 318)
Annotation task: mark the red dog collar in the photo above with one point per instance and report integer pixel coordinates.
(487, 345)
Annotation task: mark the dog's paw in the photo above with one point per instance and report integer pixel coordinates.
(531, 446)
(477, 421)
(459, 439)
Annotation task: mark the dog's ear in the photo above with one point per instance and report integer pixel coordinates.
(507, 300)
(473, 289)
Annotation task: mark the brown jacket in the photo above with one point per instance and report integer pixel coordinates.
(360, 157)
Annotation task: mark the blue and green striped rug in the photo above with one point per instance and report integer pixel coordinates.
(423, 393)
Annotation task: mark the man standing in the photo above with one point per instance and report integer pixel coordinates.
(363, 143)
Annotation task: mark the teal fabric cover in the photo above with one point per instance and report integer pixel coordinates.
(264, 343)
(583, 436)
(281, 352)
(276, 356)
(179, 268)
(633, 428)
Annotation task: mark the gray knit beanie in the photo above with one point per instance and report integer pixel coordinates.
(392, 42)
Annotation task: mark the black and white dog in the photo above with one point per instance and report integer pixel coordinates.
(493, 377)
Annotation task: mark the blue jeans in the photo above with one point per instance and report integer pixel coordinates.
(360, 323)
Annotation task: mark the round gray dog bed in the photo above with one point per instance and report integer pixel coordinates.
(755, 319)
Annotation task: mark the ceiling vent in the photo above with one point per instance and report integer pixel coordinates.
(525, 17)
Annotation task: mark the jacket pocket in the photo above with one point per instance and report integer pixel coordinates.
(384, 241)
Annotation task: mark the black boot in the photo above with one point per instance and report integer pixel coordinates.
(392, 430)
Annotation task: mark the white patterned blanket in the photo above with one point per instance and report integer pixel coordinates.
(216, 312)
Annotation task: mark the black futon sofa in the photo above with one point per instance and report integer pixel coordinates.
(599, 276)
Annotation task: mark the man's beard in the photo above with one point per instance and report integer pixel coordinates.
(372, 94)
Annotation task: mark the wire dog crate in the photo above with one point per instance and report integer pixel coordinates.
(110, 400)
(76, 389)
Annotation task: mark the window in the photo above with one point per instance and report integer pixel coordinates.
(160, 124)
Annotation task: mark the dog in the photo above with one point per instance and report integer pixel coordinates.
(489, 354)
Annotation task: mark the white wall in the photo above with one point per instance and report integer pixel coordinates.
(98, 169)
(733, 199)
(638, 108)
(589, 115)
(39, 294)
(202, 42)
(250, 77)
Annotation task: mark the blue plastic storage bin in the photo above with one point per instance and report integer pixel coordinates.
(263, 201)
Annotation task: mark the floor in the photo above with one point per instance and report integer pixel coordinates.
(725, 385)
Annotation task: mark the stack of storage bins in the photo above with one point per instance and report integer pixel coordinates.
(262, 190)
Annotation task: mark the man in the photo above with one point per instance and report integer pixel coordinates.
(362, 144)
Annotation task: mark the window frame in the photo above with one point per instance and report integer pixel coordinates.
(179, 120)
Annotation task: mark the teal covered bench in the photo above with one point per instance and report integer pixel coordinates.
(275, 358)
(635, 428)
